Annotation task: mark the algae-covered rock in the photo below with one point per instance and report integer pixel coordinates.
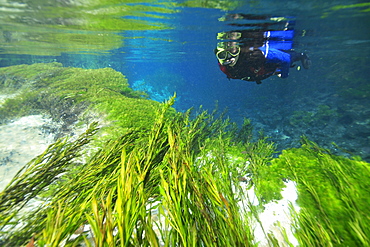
(74, 95)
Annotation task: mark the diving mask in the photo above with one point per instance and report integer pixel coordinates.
(227, 53)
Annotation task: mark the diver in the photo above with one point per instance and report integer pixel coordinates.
(256, 54)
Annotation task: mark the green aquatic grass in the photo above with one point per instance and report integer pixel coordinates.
(333, 196)
(165, 178)
(40, 173)
(70, 95)
(179, 183)
(119, 187)
(320, 116)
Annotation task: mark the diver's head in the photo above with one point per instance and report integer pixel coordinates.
(227, 53)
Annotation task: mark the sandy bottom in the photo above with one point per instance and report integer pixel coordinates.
(21, 141)
(275, 218)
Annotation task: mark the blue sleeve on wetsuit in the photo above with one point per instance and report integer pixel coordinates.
(276, 56)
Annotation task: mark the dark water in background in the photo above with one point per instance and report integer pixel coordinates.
(328, 103)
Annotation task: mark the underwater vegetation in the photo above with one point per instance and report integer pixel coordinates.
(181, 182)
(333, 195)
(139, 176)
(73, 95)
(151, 176)
(319, 116)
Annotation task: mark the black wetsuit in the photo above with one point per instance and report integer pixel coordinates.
(249, 67)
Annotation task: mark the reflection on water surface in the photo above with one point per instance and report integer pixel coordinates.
(53, 27)
(168, 46)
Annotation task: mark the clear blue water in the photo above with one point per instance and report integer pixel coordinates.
(328, 103)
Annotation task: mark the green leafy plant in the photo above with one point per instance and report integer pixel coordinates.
(164, 178)
(70, 95)
(333, 195)
(132, 178)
